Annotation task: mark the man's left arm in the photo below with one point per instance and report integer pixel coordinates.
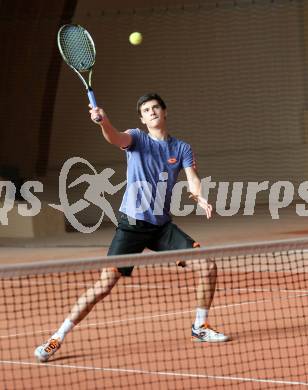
(195, 188)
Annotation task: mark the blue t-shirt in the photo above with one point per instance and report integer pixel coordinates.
(152, 171)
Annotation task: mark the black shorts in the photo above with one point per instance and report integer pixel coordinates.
(135, 238)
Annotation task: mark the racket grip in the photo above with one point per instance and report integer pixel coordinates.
(93, 103)
(91, 98)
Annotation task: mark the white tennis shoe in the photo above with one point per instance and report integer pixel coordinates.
(206, 334)
(44, 352)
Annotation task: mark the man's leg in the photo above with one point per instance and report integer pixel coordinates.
(205, 291)
(125, 241)
(172, 237)
(79, 311)
(93, 295)
(206, 271)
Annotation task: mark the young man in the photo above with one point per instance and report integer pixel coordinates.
(152, 158)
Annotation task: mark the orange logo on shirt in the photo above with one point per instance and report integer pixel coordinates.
(172, 160)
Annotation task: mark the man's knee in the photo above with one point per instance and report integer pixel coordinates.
(108, 278)
(212, 265)
(208, 268)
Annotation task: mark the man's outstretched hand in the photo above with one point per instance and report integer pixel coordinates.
(203, 203)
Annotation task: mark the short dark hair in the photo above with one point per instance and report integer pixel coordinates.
(146, 98)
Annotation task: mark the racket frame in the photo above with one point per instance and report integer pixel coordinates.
(88, 85)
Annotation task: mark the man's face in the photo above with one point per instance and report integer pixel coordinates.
(152, 115)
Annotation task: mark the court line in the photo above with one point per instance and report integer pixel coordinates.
(166, 286)
(150, 317)
(159, 373)
(244, 289)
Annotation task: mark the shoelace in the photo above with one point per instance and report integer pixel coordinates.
(52, 344)
(208, 326)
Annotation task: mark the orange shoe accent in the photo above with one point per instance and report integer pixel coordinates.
(172, 160)
(53, 344)
(208, 326)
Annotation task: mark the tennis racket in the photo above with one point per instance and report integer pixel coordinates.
(78, 51)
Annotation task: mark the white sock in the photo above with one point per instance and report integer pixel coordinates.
(201, 317)
(66, 327)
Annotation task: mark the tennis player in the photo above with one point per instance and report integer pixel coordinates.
(152, 158)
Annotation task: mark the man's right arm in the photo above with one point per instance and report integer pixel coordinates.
(110, 133)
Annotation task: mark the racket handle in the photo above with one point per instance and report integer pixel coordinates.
(93, 103)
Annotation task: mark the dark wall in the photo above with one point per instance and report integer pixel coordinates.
(28, 78)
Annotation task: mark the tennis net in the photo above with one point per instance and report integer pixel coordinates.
(139, 336)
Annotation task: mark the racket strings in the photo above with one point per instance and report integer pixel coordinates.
(77, 48)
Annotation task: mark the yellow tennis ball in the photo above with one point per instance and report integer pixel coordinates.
(135, 38)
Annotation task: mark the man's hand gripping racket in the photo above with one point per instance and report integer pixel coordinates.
(78, 51)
